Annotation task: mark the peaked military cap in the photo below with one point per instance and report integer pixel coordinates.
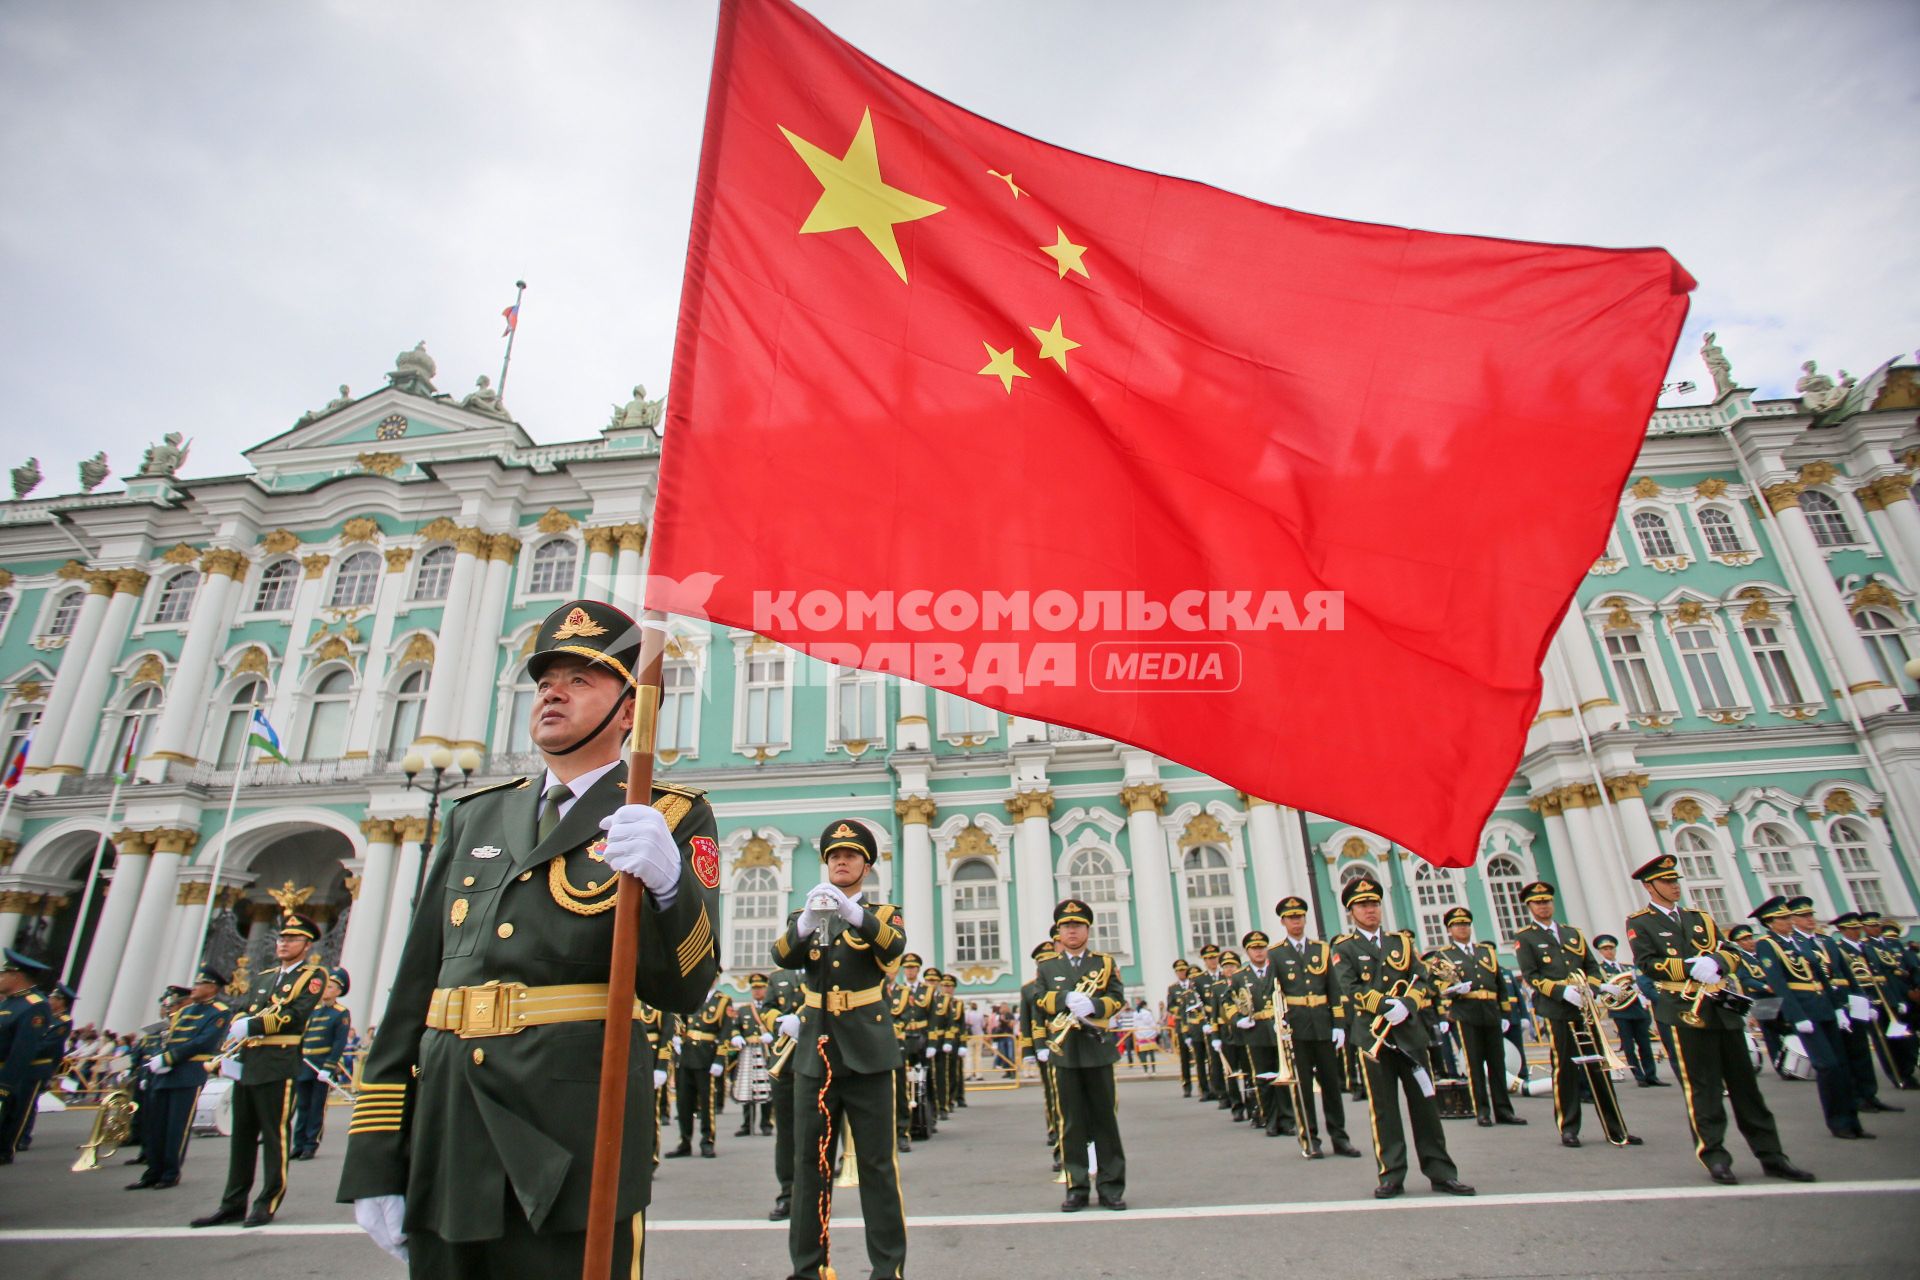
(1663, 867)
(1044, 951)
(1772, 909)
(1210, 952)
(1538, 891)
(1358, 890)
(1253, 938)
(65, 992)
(208, 973)
(1291, 905)
(295, 925)
(930, 973)
(590, 629)
(1228, 958)
(339, 975)
(1799, 905)
(1740, 931)
(911, 960)
(1072, 911)
(176, 992)
(948, 980)
(1456, 915)
(1181, 966)
(20, 962)
(756, 979)
(1605, 940)
(849, 833)
(1846, 920)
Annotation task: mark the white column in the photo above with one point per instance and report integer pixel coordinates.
(185, 712)
(912, 732)
(1032, 867)
(1277, 870)
(601, 543)
(632, 539)
(363, 731)
(1870, 693)
(482, 658)
(13, 909)
(74, 662)
(1158, 942)
(366, 927)
(183, 938)
(132, 853)
(1594, 705)
(1589, 849)
(439, 716)
(306, 606)
(1610, 886)
(89, 699)
(1893, 493)
(916, 870)
(140, 978)
(399, 915)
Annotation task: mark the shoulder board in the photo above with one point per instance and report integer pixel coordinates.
(884, 911)
(680, 789)
(34, 997)
(498, 786)
(1644, 911)
(218, 1005)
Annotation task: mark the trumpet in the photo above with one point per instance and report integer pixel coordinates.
(1696, 995)
(1616, 993)
(1063, 1022)
(1380, 1029)
(782, 1051)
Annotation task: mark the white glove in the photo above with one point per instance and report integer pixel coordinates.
(659, 1078)
(1704, 968)
(239, 1029)
(1459, 988)
(159, 1066)
(806, 924)
(766, 1037)
(1395, 1012)
(1243, 1023)
(789, 1025)
(1214, 1043)
(384, 1219)
(1080, 1004)
(717, 1069)
(326, 1077)
(640, 845)
(1804, 1027)
(1445, 1026)
(947, 1047)
(931, 1051)
(738, 1043)
(675, 1042)
(1574, 994)
(1041, 1055)
(850, 911)
(1860, 1008)
(1840, 1016)
(1339, 1038)
(1503, 1026)
(1208, 1028)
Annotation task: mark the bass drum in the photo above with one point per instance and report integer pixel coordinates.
(213, 1110)
(1515, 1062)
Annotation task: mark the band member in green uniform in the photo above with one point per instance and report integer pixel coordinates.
(24, 1018)
(1084, 986)
(752, 1038)
(784, 996)
(470, 1152)
(322, 1048)
(1481, 1007)
(1176, 1000)
(1384, 986)
(955, 1051)
(176, 1073)
(1205, 1030)
(844, 1062)
(1255, 1003)
(1033, 1046)
(1316, 1015)
(698, 1082)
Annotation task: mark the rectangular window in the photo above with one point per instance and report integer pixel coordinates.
(976, 941)
(1867, 894)
(960, 718)
(1631, 674)
(752, 945)
(520, 722)
(766, 709)
(1212, 924)
(1705, 672)
(1770, 656)
(976, 896)
(856, 709)
(1106, 930)
(1711, 899)
(679, 685)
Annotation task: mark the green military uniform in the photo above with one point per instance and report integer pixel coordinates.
(910, 1001)
(1890, 996)
(1226, 1017)
(275, 1010)
(52, 1051)
(1711, 1058)
(753, 1026)
(1176, 999)
(146, 1046)
(1479, 1003)
(24, 1015)
(1552, 958)
(843, 1067)
(479, 1096)
(1256, 1000)
(658, 1028)
(1213, 985)
(323, 1049)
(189, 1041)
(1192, 1017)
(1374, 971)
(954, 1050)
(1083, 1066)
(1314, 1011)
(1033, 1046)
(703, 1037)
(784, 999)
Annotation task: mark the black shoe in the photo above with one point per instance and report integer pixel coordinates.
(142, 1185)
(1341, 1147)
(1657, 1083)
(1569, 1139)
(1852, 1135)
(258, 1218)
(1115, 1203)
(782, 1209)
(1074, 1203)
(218, 1218)
(684, 1149)
(744, 1131)
(1723, 1174)
(1874, 1104)
(302, 1155)
(135, 1160)
(165, 1184)
(1388, 1190)
(1186, 1091)
(1784, 1168)
(766, 1131)
(1239, 1115)
(1056, 1166)
(1485, 1122)
(1508, 1120)
(1314, 1152)
(1644, 1084)
(706, 1148)
(1453, 1187)
(906, 1144)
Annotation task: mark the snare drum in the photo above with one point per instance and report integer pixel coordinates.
(1454, 1099)
(213, 1110)
(1794, 1060)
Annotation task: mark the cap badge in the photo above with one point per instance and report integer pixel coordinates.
(577, 623)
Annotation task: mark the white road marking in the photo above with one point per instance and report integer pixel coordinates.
(1414, 1201)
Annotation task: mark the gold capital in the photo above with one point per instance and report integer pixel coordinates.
(470, 542)
(1627, 786)
(410, 830)
(398, 558)
(1784, 495)
(1144, 797)
(1031, 804)
(316, 564)
(192, 893)
(503, 547)
(916, 810)
(129, 582)
(378, 830)
(224, 561)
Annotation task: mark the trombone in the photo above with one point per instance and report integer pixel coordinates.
(1288, 1074)
(1380, 1029)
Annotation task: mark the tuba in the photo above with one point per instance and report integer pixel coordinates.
(112, 1129)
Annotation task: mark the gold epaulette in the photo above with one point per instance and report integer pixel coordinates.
(1644, 911)
(34, 997)
(514, 784)
(680, 789)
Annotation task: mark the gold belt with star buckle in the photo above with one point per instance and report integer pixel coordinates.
(838, 1001)
(508, 1008)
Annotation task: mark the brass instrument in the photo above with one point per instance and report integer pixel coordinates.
(782, 1051)
(1616, 994)
(1063, 1022)
(1445, 972)
(1696, 995)
(1867, 980)
(1592, 1049)
(112, 1129)
(1380, 1029)
(1288, 1074)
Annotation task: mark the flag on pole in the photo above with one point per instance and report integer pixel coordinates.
(18, 764)
(263, 738)
(130, 754)
(1294, 501)
(512, 314)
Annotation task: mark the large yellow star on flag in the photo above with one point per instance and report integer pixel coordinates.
(1000, 364)
(853, 195)
(1054, 344)
(1066, 253)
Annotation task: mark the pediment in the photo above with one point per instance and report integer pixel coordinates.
(392, 426)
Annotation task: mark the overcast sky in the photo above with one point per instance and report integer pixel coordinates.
(212, 214)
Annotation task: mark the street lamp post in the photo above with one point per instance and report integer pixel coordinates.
(447, 770)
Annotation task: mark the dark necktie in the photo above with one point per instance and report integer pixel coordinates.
(550, 803)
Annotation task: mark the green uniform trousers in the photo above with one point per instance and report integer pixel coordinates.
(1089, 1114)
(863, 1101)
(1388, 1078)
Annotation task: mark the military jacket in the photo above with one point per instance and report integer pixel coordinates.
(1213, 996)
(915, 1011)
(655, 1027)
(1369, 973)
(1260, 995)
(845, 968)
(1894, 986)
(1089, 1043)
(1830, 963)
(1663, 947)
(1791, 978)
(1308, 991)
(704, 1034)
(1548, 964)
(23, 1021)
(751, 1021)
(325, 1041)
(1032, 1029)
(458, 1120)
(189, 1041)
(1487, 999)
(278, 1004)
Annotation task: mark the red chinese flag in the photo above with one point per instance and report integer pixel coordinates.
(1293, 501)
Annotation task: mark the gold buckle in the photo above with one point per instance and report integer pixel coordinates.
(486, 1010)
(836, 1001)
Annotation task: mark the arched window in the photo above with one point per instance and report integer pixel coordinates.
(327, 721)
(1209, 884)
(1699, 865)
(234, 734)
(1504, 879)
(1090, 876)
(1853, 859)
(355, 581)
(755, 916)
(143, 706)
(176, 596)
(1828, 522)
(1706, 674)
(1656, 540)
(1434, 891)
(1773, 859)
(433, 574)
(408, 701)
(278, 582)
(679, 686)
(553, 568)
(976, 913)
(1887, 647)
(1723, 538)
(66, 611)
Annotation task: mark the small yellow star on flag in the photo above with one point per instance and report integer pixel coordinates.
(1066, 253)
(1008, 179)
(852, 194)
(1000, 364)
(1054, 344)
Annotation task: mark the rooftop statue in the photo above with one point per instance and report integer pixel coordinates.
(26, 477)
(1817, 392)
(639, 412)
(94, 470)
(1717, 364)
(484, 399)
(413, 371)
(164, 459)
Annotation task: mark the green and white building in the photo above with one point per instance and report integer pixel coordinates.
(1729, 686)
